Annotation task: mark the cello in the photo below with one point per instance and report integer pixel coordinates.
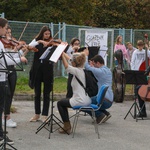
(118, 78)
(144, 90)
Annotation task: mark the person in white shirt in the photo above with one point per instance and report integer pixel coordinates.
(5, 61)
(79, 96)
(138, 58)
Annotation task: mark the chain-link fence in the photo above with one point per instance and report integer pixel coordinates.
(27, 31)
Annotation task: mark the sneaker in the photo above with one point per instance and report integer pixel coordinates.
(9, 141)
(107, 117)
(9, 123)
(101, 118)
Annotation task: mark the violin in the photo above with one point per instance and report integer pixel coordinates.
(53, 42)
(7, 43)
(12, 43)
(144, 90)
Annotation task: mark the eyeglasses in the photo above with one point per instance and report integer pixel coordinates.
(76, 43)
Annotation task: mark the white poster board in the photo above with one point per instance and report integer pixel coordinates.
(98, 38)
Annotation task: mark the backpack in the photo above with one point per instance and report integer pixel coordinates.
(91, 83)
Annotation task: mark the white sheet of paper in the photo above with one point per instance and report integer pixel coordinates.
(58, 51)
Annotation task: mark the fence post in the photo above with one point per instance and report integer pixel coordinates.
(122, 32)
(2, 15)
(63, 39)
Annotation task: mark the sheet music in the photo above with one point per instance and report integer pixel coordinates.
(55, 56)
(44, 55)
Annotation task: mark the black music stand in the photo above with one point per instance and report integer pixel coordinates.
(136, 78)
(51, 118)
(4, 68)
(93, 50)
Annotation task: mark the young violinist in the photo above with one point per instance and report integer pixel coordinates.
(3, 75)
(42, 72)
(138, 57)
(12, 79)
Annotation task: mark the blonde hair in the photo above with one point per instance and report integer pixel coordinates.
(117, 39)
(79, 59)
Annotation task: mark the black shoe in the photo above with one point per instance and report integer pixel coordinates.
(141, 114)
(107, 117)
(106, 112)
(9, 141)
(101, 118)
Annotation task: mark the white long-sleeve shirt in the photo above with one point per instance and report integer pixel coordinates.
(5, 56)
(138, 57)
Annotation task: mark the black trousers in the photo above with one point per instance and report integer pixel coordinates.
(2, 99)
(63, 106)
(45, 76)
(141, 102)
(12, 79)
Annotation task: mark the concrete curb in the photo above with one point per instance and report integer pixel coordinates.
(57, 96)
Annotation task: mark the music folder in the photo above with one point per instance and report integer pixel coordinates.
(53, 53)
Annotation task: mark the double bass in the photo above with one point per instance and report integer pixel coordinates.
(118, 78)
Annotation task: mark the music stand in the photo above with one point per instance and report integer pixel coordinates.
(8, 57)
(52, 54)
(93, 50)
(136, 78)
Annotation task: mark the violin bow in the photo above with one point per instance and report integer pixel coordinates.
(23, 30)
(58, 31)
(146, 42)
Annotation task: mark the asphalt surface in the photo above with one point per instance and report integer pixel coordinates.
(116, 134)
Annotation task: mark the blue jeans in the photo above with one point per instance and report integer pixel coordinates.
(103, 108)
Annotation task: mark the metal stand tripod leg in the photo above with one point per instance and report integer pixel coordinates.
(3, 145)
(135, 105)
(49, 121)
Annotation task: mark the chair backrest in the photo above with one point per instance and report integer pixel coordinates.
(101, 94)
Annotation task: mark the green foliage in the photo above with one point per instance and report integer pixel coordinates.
(101, 13)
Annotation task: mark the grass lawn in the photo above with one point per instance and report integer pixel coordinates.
(60, 86)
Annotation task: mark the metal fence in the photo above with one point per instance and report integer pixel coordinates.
(26, 31)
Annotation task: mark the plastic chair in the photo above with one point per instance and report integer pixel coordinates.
(92, 108)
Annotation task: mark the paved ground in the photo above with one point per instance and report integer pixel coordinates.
(115, 134)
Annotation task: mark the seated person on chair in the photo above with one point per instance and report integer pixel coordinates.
(104, 76)
(79, 98)
(138, 57)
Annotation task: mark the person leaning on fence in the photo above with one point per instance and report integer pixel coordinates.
(104, 76)
(79, 96)
(120, 46)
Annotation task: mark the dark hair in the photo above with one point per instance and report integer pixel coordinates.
(81, 49)
(8, 27)
(41, 33)
(98, 58)
(140, 43)
(3, 22)
(74, 40)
